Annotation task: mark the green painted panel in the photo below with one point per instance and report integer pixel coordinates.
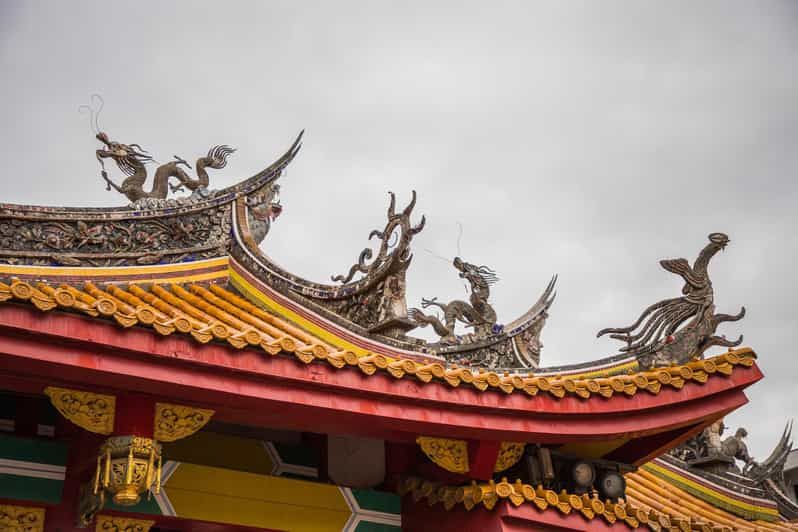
(376, 527)
(30, 489)
(33, 450)
(378, 501)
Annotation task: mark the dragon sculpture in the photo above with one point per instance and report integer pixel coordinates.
(478, 313)
(654, 337)
(132, 160)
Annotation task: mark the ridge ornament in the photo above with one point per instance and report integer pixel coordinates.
(656, 339)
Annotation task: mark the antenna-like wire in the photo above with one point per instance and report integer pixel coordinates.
(444, 259)
(96, 100)
(459, 238)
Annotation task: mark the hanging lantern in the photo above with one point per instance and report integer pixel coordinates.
(127, 467)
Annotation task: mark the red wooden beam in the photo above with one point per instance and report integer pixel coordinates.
(251, 387)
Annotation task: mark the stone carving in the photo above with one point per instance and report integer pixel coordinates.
(91, 411)
(376, 300)
(655, 338)
(516, 345)
(21, 518)
(735, 447)
(132, 160)
(477, 314)
(706, 453)
(772, 467)
(152, 230)
(451, 455)
(174, 422)
(492, 355)
(112, 523)
(121, 242)
(397, 253)
(709, 451)
(264, 207)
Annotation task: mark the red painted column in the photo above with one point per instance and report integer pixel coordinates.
(134, 415)
(482, 457)
(81, 463)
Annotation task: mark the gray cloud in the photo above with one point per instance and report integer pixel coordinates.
(588, 139)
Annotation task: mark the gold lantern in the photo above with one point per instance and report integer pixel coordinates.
(127, 467)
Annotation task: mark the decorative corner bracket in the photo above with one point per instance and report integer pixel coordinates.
(509, 455)
(21, 518)
(174, 422)
(91, 411)
(111, 523)
(451, 455)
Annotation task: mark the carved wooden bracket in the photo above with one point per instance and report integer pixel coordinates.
(452, 455)
(91, 411)
(509, 455)
(112, 523)
(21, 519)
(174, 422)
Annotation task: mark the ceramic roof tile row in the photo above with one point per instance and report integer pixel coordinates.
(646, 490)
(214, 313)
(518, 493)
(649, 503)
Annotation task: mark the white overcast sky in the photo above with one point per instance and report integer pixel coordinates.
(589, 139)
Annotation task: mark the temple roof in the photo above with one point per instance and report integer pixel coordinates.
(216, 312)
(216, 236)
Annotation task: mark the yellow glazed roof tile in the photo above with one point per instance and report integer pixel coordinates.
(212, 312)
(657, 508)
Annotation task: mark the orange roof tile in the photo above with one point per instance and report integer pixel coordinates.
(658, 507)
(212, 312)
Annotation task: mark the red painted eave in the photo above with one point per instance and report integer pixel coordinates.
(248, 386)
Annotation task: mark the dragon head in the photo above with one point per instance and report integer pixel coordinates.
(719, 239)
(127, 156)
(476, 275)
(264, 208)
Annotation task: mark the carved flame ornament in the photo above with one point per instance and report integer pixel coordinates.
(128, 466)
(173, 422)
(91, 411)
(21, 519)
(110, 523)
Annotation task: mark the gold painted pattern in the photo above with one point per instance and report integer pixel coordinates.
(112, 523)
(509, 454)
(91, 411)
(21, 518)
(215, 313)
(451, 455)
(174, 422)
